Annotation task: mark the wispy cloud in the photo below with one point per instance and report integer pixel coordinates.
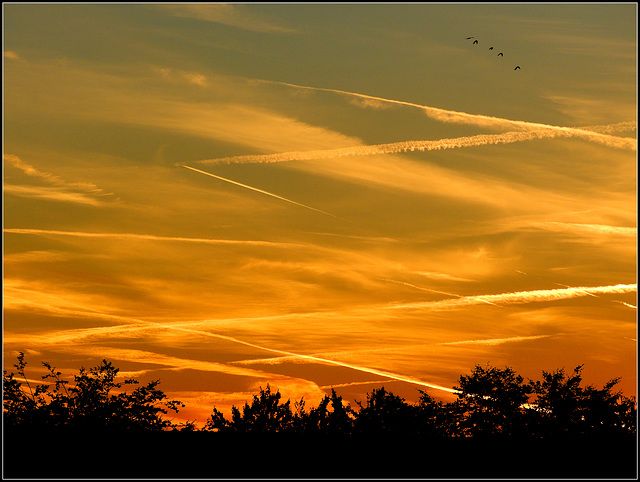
(11, 55)
(598, 229)
(443, 276)
(189, 77)
(239, 16)
(29, 170)
(60, 190)
(52, 194)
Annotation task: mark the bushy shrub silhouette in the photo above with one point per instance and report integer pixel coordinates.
(330, 417)
(265, 414)
(386, 413)
(565, 408)
(87, 405)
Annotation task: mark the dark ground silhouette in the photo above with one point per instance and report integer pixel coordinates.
(500, 426)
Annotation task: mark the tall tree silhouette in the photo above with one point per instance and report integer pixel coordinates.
(88, 405)
(490, 403)
(265, 414)
(384, 413)
(330, 417)
(432, 418)
(566, 408)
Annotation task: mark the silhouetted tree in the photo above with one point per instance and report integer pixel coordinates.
(566, 408)
(490, 403)
(330, 417)
(89, 404)
(433, 419)
(493, 403)
(384, 413)
(265, 414)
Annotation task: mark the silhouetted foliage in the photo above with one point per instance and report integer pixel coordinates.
(492, 430)
(492, 404)
(87, 405)
(265, 414)
(386, 413)
(433, 418)
(566, 408)
(330, 417)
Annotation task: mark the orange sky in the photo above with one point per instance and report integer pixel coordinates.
(317, 196)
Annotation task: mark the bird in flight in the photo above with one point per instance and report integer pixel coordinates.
(490, 48)
(469, 38)
(500, 54)
(475, 41)
(517, 67)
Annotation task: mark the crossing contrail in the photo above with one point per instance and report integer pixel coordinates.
(442, 115)
(430, 145)
(523, 296)
(260, 191)
(433, 291)
(68, 336)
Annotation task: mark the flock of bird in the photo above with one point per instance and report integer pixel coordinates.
(475, 42)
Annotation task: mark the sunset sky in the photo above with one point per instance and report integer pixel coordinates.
(320, 195)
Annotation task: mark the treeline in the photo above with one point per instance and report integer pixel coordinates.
(499, 426)
(492, 403)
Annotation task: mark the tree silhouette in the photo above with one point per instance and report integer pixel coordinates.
(493, 403)
(384, 413)
(433, 418)
(490, 403)
(88, 405)
(330, 417)
(265, 414)
(566, 408)
(492, 430)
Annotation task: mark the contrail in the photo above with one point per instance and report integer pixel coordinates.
(430, 145)
(589, 228)
(75, 335)
(443, 114)
(496, 341)
(353, 384)
(585, 292)
(149, 237)
(418, 287)
(349, 353)
(261, 191)
(433, 291)
(521, 297)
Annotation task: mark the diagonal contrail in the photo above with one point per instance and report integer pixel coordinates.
(444, 115)
(68, 336)
(439, 144)
(522, 296)
(149, 237)
(260, 191)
